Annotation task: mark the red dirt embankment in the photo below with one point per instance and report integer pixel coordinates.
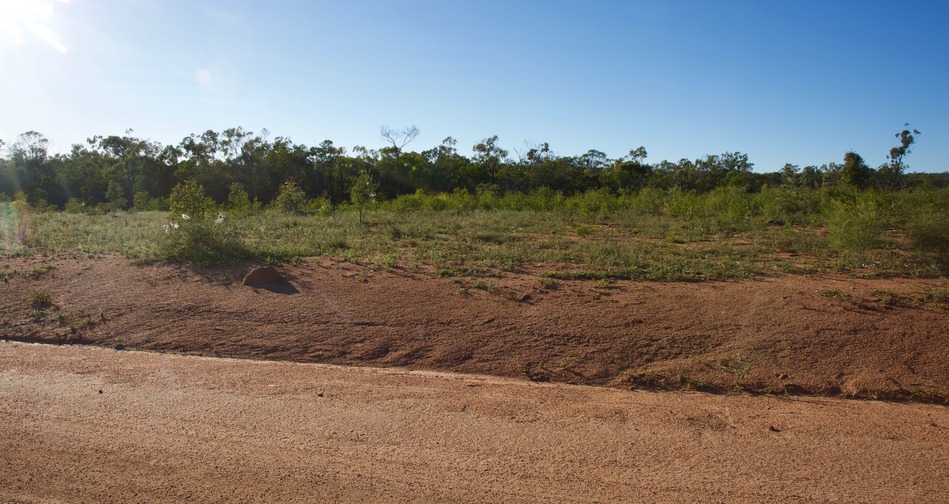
(822, 335)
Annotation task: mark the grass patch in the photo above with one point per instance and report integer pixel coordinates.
(39, 300)
(39, 271)
(652, 235)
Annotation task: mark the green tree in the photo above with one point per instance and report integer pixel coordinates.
(330, 168)
(484, 167)
(363, 192)
(290, 198)
(790, 175)
(141, 201)
(440, 174)
(630, 172)
(203, 162)
(30, 170)
(115, 195)
(891, 174)
(238, 201)
(189, 199)
(855, 171)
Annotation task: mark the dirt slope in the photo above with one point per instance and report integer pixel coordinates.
(96, 425)
(823, 335)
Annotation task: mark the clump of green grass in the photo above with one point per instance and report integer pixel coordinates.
(40, 299)
(889, 299)
(935, 297)
(547, 283)
(833, 293)
(737, 366)
(39, 271)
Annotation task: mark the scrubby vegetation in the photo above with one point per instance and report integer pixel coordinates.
(217, 198)
(649, 234)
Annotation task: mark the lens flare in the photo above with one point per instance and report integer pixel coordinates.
(23, 20)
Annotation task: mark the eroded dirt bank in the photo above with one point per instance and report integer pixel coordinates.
(821, 335)
(86, 424)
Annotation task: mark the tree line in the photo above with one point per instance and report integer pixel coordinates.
(121, 172)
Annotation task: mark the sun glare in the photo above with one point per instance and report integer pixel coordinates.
(22, 20)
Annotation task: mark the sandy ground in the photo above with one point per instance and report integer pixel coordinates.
(86, 424)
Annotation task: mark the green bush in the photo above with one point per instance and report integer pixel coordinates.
(733, 208)
(238, 201)
(142, 202)
(188, 198)
(291, 198)
(43, 206)
(321, 206)
(648, 201)
(855, 226)
(593, 202)
(929, 233)
(363, 192)
(75, 206)
(203, 241)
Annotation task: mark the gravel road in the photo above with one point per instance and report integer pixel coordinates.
(84, 424)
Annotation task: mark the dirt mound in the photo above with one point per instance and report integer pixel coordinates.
(819, 335)
(262, 275)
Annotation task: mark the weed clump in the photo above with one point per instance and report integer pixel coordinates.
(40, 300)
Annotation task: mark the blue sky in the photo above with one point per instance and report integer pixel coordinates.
(785, 82)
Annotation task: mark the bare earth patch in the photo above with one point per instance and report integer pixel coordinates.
(789, 334)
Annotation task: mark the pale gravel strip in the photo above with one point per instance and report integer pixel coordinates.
(171, 428)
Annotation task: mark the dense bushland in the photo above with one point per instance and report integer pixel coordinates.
(243, 169)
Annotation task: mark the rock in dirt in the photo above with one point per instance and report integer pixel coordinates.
(263, 275)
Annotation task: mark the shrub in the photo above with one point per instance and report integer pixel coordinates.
(732, 208)
(116, 196)
(140, 201)
(43, 206)
(929, 232)
(363, 192)
(203, 241)
(855, 226)
(593, 202)
(238, 201)
(75, 206)
(321, 206)
(291, 198)
(40, 300)
(188, 198)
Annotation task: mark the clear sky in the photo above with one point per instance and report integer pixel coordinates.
(785, 82)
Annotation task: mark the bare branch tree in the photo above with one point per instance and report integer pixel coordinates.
(399, 138)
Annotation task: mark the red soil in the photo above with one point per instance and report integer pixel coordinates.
(824, 335)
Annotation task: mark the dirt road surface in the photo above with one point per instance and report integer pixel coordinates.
(82, 424)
